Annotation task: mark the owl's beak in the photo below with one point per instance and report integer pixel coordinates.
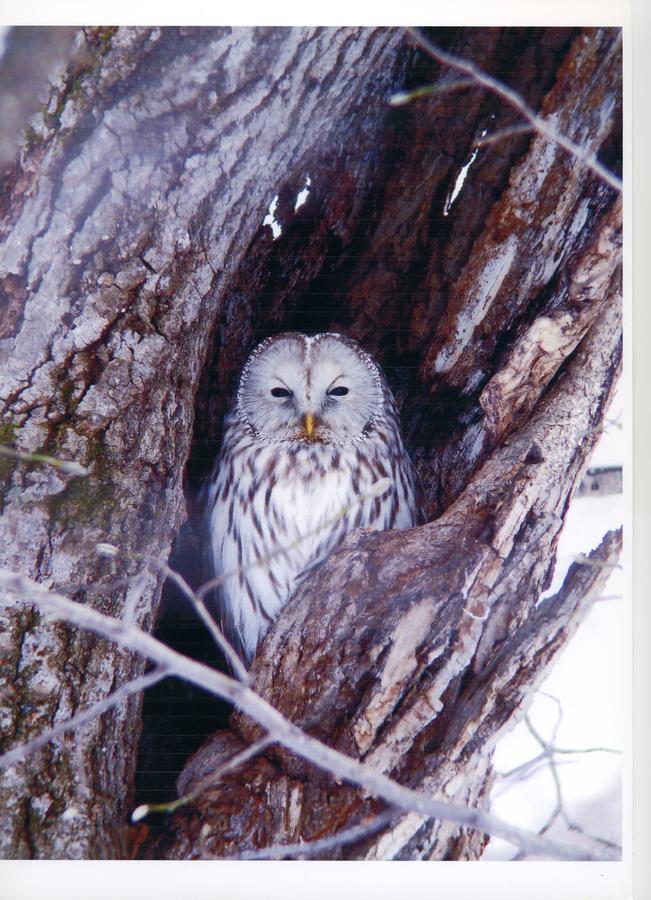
(308, 425)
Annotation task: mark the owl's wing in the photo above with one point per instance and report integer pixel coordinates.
(230, 632)
(218, 612)
(223, 558)
(420, 498)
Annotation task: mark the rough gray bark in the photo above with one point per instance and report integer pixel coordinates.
(136, 277)
(121, 226)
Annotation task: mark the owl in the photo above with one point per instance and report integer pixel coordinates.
(313, 428)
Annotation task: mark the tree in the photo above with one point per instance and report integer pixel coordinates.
(137, 274)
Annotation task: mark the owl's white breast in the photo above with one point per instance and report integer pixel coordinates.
(305, 513)
(310, 497)
(290, 519)
(279, 509)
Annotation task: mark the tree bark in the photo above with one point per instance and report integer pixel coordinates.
(122, 224)
(414, 651)
(137, 275)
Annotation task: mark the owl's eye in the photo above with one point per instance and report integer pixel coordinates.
(280, 392)
(338, 392)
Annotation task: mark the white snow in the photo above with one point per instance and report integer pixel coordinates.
(461, 177)
(270, 218)
(302, 196)
(591, 682)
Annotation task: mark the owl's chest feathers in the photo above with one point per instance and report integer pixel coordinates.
(308, 487)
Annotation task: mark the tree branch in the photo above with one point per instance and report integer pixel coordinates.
(350, 835)
(515, 100)
(58, 607)
(211, 781)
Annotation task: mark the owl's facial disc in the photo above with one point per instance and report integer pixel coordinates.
(299, 389)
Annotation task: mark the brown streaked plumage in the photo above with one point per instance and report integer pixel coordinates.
(314, 426)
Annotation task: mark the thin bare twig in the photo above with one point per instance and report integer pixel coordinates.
(206, 783)
(525, 771)
(589, 750)
(503, 134)
(524, 768)
(69, 466)
(546, 759)
(549, 751)
(351, 835)
(514, 99)
(197, 602)
(97, 709)
(428, 90)
(57, 607)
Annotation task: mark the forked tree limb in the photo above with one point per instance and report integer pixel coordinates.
(512, 97)
(415, 650)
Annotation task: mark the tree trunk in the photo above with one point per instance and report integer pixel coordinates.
(137, 275)
(123, 223)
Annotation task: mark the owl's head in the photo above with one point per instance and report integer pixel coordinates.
(322, 389)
